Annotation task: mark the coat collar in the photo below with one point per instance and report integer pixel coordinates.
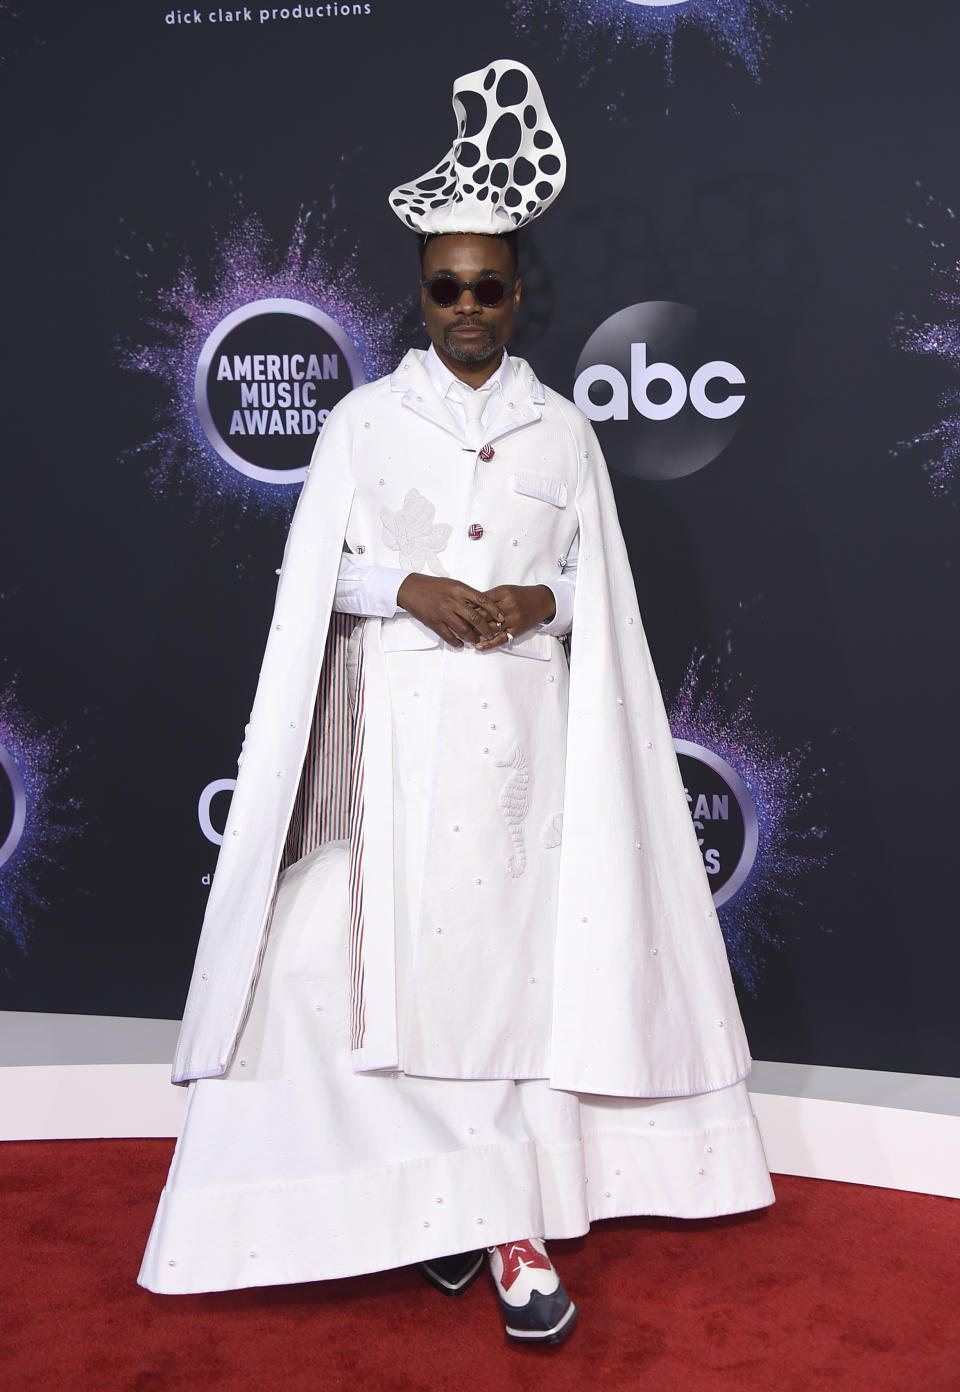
(418, 394)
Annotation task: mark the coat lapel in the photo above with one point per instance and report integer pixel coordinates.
(419, 395)
(521, 405)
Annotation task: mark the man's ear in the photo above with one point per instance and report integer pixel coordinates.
(516, 291)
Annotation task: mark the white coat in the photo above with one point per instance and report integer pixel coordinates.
(642, 1001)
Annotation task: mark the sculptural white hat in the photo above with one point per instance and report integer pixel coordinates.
(505, 167)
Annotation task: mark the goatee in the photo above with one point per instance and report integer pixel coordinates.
(478, 350)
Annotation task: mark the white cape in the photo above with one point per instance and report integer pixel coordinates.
(643, 1001)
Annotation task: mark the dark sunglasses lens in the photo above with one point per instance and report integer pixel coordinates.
(444, 291)
(489, 292)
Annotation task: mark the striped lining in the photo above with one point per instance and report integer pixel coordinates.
(329, 804)
(322, 809)
(358, 1012)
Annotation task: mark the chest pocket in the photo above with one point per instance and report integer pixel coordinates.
(542, 486)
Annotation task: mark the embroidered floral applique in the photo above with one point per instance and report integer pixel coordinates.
(514, 805)
(551, 833)
(413, 533)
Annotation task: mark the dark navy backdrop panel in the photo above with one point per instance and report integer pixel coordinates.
(765, 188)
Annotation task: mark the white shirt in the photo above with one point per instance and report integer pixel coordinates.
(371, 590)
(449, 388)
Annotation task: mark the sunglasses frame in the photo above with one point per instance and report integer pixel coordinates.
(471, 285)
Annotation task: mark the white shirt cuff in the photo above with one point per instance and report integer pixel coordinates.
(563, 592)
(366, 589)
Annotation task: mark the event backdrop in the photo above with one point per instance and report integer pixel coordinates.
(749, 282)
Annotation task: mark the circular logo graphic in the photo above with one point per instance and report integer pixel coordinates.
(267, 378)
(13, 806)
(664, 401)
(724, 817)
(205, 805)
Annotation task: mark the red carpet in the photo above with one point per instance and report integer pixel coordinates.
(838, 1287)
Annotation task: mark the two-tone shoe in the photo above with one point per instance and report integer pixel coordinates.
(452, 1275)
(536, 1308)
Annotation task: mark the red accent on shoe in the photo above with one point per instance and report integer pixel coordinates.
(517, 1255)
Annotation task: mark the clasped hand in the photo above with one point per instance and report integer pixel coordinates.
(459, 614)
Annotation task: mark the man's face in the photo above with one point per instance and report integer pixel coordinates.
(468, 334)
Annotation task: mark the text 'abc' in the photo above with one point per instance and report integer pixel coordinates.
(641, 376)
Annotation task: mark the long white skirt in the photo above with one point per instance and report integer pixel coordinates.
(294, 1168)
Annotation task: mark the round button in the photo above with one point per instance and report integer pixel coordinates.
(475, 531)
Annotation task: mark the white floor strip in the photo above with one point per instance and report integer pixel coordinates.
(896, 1147)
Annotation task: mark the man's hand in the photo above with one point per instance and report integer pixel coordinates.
(455, 612)
(522, 608)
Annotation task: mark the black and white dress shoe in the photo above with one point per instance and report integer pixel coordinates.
(452, 1275)
(536, 1308)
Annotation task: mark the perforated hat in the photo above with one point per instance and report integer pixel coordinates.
(505, 167)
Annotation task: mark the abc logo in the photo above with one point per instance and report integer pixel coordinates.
(664, 403)
(724, 817)
(13, 806)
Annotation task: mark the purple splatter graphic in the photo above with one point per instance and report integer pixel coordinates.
(247, 267)
(34, 767)
(782, 785)
(938, 338)
(737, 28)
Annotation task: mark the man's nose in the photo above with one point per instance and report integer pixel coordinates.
(468, 303)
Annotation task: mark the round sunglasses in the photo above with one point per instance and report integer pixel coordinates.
(489, 290)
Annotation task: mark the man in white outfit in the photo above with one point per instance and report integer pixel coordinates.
(470, 291)
(493, 1003)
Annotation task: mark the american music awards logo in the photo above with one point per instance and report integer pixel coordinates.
(657, 382)
(13, 805)
(267, 378)
(252, 359)
(724, 817)
(752, 801)
(37, 816)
